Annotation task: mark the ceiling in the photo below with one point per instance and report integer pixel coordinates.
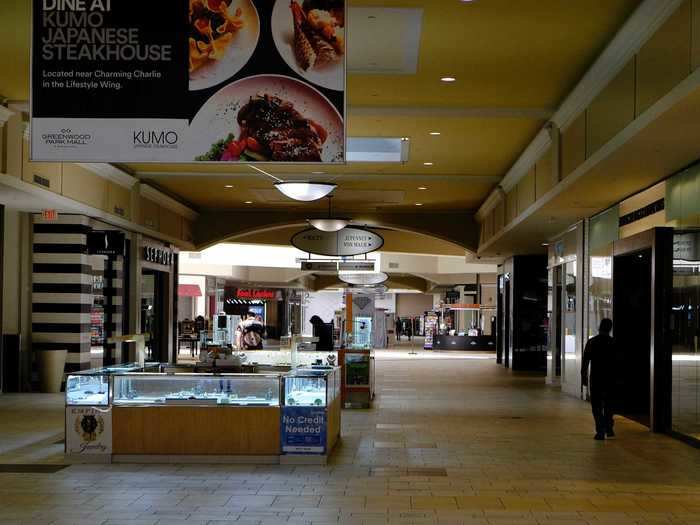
(665, 146)
(514, 62)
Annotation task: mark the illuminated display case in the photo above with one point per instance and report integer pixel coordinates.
(126, 413)
(91, 387)
(316, 386)
(358, 378)
(362, 333)
(90, 390)
(357, 367)
(261, 390)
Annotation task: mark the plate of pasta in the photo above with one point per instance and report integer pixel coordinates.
(223, 36)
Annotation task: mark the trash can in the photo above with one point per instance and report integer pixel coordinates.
(51, 366)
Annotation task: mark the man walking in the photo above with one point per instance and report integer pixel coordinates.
(600, 354)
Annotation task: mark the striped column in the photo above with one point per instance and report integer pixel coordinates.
(62, 288)
(115, 293)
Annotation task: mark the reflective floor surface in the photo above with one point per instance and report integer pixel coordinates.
(452, 439)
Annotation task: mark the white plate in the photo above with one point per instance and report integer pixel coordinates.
(218, 117)
(330, 77)
(237, 53)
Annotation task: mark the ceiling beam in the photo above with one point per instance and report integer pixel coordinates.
(364, 177)
(214, 226)
(450, 112)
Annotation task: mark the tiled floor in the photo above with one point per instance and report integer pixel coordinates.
(449, 441)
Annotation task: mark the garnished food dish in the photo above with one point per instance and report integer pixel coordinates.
(213, 24)
(319, 32)
(271, 129)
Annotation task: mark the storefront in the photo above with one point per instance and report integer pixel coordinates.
(522, 313)
(158, 304)
(564, 322)
(644, 271)
(93, 282)
(80, 289)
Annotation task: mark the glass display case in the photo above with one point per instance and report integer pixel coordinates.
(83, 389)
(315, 386)
(362, 332)
(91, 387)
(357, 367)
(197, 389)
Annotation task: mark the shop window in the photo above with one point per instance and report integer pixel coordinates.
(685, 329)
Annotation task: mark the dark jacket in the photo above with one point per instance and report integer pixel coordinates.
(601, 354)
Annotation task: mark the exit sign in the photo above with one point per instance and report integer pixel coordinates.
(49, 215)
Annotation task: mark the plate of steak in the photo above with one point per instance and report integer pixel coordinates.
(268, 118)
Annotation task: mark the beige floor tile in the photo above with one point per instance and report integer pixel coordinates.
(479, 502)
(433, 502)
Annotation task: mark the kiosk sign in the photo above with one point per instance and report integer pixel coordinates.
(88, 431)
(303, 430)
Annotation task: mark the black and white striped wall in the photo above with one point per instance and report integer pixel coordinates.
(62, 289)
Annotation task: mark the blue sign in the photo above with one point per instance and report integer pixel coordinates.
(303, 430)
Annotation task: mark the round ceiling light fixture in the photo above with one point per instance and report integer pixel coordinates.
(376, 289)
(330, 223)
(305, 191)
(363, 278)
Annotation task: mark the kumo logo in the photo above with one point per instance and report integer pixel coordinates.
(155, 138)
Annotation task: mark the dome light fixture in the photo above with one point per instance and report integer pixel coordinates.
(305, 191)
(329, 224)
(363, 278)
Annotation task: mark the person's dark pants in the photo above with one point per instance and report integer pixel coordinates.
(602, 406)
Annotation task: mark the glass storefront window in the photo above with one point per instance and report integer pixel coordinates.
(600, 288)
(570, 372)
(685, 328)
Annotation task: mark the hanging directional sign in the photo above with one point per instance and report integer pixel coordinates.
(346, 242)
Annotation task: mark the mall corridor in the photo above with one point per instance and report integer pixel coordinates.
(452, 438)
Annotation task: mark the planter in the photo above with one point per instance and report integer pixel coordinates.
(51, 366)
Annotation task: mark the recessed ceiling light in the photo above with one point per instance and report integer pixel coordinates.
(448, 79)
(435, 133)
(427, 164)
(248, 202)
(422, 188)
(229, 186)
(419, 204)
(545, 244)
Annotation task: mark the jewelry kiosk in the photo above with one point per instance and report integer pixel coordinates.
(133, 414)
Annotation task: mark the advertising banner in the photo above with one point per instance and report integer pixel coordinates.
(303, 430)
(188, 81)
(88, 430)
